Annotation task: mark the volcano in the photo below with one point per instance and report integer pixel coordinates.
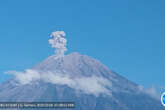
(80, 79)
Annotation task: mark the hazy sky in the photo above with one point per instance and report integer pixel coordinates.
(126, 35)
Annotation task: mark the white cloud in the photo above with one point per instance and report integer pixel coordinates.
(150, 91)
(90, 85)
(25, 77)
(58, 42)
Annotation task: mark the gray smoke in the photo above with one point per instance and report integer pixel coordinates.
(58, 42)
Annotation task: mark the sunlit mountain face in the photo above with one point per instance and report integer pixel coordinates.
(80, 79)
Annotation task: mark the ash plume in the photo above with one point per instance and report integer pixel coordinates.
(58, 41)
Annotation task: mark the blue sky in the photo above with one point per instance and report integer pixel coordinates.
(126, 35)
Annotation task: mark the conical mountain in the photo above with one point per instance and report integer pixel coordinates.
(81, 79)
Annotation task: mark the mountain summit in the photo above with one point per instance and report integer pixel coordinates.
(74, 64)
(77, 65)
(79, 78)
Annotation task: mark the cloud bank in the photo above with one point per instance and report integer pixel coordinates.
(58, 42)
(89, 85)
(150, 91)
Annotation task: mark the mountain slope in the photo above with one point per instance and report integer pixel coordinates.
(82, 79)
